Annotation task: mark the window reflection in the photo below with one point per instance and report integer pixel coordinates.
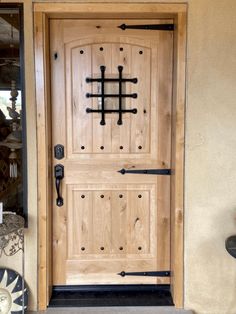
(11, 139)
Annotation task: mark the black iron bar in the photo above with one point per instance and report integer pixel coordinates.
(103, 68)
(120, 69)
(120, 80)
(146, 171)
(124, 80)
(90, 110)
(155, 27)
(165, 273)
(134, 95)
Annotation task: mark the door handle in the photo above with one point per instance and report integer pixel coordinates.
(59, 175)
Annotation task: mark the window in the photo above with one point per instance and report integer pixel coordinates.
(13, 176)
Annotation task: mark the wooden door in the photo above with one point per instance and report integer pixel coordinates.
(111, 222)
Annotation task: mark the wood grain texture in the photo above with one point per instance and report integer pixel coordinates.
(93, 151)
(131, 9)
(177, 179)
(148, 10)
(43, 114)
(58, 137)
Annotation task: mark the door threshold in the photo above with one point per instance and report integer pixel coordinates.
(111, 295)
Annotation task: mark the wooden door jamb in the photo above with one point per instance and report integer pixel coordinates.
(42, 13)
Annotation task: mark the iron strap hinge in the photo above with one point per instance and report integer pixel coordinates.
(165, 273)
(165, 172)
(155, 27)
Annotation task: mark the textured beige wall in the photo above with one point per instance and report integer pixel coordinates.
(210, 198)
(210, 208)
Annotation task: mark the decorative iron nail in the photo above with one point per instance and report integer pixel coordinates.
(101, 48)
(139, 248)
(144, 111)
(81, 52)
(101, 147)
(121, 248)
(139, 196)
(82, 147)
(101, 248)
(83, 248)
(102, 196)
(55, 56)
(122, 274)
(121, 49)
(121, 147)
(121, 195)
(140, 147)
(140, 52)
(82, 196)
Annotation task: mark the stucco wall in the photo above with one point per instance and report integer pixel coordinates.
(210, 165)
(210, 207)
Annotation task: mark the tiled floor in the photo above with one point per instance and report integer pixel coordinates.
(116, 310)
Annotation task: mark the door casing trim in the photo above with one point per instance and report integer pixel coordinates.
(42, 13)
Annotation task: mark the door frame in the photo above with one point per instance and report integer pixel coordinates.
(113, 9)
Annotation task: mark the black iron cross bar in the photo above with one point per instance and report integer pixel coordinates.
(124, 80)
(118, 80)
(103, 68)
(89, 110)
(134, 95)
(120, 69)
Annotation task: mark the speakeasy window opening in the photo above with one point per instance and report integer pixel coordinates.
(13, 161)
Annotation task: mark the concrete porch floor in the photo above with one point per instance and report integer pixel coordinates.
(117, 310)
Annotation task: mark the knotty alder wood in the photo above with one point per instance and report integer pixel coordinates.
(139, 10)
(82, 10)
(177, 179)
(44, 166)
(109, 222)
